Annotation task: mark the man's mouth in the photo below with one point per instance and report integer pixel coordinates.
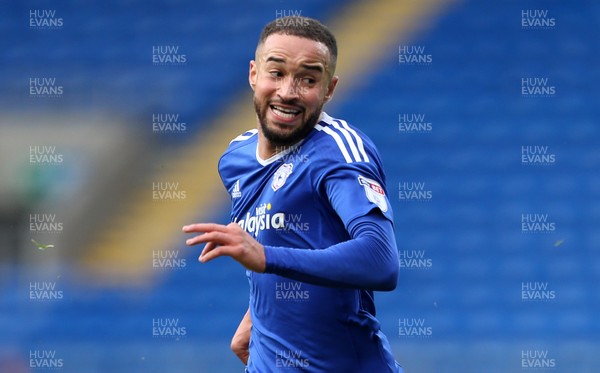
(285, 112)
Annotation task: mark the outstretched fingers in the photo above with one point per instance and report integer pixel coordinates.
(212, 251)
(230, 240)
(214, 235)
(203, 227)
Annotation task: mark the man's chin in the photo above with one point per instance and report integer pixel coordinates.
(286, 133)
(281, 137)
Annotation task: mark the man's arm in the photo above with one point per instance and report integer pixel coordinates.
(369, 260)
(241, 339)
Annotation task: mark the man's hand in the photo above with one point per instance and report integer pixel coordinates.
(241, 339)
(230, 240)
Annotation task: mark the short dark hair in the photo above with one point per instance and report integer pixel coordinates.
(304, 27)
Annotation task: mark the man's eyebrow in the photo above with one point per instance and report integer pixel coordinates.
(315, 67)
(275, 59)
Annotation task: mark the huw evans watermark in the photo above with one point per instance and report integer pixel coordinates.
(167, 259)
(414, 55)
(290, 17)
(536, 87)
(44, 223)
(413, 123)
(45, 155)
(44, 290)
(168, 123)
(291, 359)
(414, 259)
(168, 55)
(168, 328)
(45, 87)
(537, 223)
(537, 155)
(294, 223)
(45, 19)
(291, 154)
(414, 191)
(45, 359)
(168, 191)
(537, 360)
(537, 291)
(294, 87)
(537, 19)
(291, 291)
(414, 327)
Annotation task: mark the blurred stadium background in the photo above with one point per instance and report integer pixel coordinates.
(114, 113)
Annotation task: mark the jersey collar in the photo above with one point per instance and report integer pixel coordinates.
(268, 161)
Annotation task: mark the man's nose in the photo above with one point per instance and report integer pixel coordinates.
(288, 88)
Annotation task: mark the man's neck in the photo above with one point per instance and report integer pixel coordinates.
(265, 149)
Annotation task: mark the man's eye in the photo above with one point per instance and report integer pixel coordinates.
(309, 81)
(276, 74)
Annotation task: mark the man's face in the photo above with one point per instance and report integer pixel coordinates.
(291, 79)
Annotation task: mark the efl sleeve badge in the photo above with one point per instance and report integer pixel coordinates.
(374, 192)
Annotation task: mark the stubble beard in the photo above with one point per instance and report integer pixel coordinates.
(278, 139)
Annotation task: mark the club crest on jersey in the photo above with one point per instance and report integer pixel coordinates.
(281, 176)
(374, 192)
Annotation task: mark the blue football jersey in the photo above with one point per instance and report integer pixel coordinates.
(305, 197)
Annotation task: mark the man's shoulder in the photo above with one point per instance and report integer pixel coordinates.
(239, 152)
(243, 139)
(242, 143)
(338, 141)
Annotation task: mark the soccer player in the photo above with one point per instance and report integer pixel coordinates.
(311, 221)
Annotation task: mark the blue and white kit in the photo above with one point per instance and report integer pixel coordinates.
(321, 211)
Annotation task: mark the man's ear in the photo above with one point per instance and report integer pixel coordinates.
(252, 73)
(331, 88)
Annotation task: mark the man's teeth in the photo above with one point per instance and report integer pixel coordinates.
(286, 113)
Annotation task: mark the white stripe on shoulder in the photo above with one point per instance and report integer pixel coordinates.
(337, 139)
(359, 141)
(349, 140)
(354, 140)
(246, 135)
